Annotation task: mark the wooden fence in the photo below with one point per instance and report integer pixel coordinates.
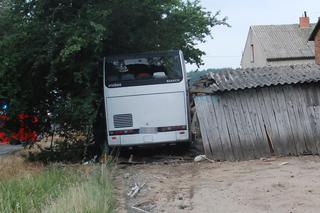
(252, 123)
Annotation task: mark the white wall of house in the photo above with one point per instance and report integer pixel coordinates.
(253, 54)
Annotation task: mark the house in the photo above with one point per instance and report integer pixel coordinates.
(278, 45)
(258, 112)
(315, 37)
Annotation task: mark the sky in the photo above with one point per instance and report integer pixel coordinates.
(225, 49)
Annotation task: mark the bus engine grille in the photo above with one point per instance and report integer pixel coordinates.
(122, 120)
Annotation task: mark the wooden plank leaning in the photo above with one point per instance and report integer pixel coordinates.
(294, 117)
(203, 122)
(227, 102)
(221, 127)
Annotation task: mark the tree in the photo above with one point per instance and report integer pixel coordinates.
(50, 50)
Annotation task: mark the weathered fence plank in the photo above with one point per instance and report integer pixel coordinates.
(283, 140)
(312, 103)
(299, 108)
(271, 115)
(289, 140)
(317, 112)
(216, 147)
(226, 101)
(222, 127)
(267, 120)
(306, 117)
(246, 127)
(258, 124)
(203, 122)
(294, 118)
(251, 128)
(237, 113)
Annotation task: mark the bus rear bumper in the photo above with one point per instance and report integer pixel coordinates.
(144, 139)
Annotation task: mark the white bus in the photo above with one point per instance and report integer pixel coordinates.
(146, 99)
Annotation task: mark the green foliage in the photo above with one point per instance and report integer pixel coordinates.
(50, 50)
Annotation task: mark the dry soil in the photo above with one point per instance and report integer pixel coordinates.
(265, 185)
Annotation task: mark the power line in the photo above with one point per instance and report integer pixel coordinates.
(221, 56)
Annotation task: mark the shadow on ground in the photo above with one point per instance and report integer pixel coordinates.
(78, 152)
(159, 153)
(60, 152)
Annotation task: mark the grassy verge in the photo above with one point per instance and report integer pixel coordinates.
(15, 166)
(58, 189)
(92, 195)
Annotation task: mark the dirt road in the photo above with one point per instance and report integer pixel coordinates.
(8, 149)
(279, 185)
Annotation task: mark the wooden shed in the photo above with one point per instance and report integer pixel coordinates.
(253, 113)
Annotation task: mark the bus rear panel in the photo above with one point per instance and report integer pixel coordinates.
(146, 99)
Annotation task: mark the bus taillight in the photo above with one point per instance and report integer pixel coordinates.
(171, 128)
(124, 132)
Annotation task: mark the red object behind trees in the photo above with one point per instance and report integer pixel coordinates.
(25, 132)
(4, 138)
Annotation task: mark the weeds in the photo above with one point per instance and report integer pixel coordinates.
(15, 166)
(59, 189)
(92, 195)
(29, 194)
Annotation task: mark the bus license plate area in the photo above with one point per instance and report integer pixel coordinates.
(148, 130)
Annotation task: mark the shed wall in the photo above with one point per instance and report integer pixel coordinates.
(252, 123)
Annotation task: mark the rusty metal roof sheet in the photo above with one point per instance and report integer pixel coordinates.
(284, 41)
(256, 77)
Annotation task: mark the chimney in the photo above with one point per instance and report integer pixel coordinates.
(304, 21)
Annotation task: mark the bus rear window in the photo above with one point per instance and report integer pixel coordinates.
(138, 71)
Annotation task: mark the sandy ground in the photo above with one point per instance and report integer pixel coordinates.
(273, 185)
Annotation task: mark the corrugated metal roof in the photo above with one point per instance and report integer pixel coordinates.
(284, 41)
(257, 77)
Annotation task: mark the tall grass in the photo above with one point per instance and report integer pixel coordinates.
(30, 193)
(58, 189)
(93, 195)
(15, 166)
